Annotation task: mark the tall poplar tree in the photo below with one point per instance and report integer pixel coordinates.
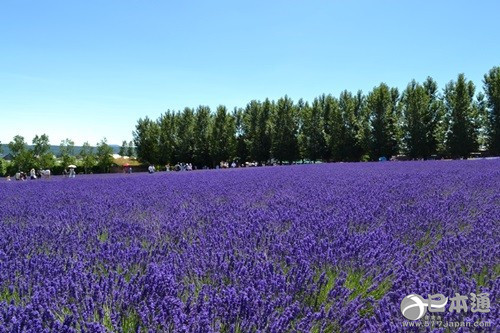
(492, 91)
(312, 136)
(201, 148)
(146, 139)
(461, 139)
(222, 136)
(185, 136)
(168, 137)
(383, 120)
(285, 131)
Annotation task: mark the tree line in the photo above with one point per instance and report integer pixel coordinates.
(39, 156)
(420, 122)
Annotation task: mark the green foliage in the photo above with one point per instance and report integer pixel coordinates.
(123, 148)
(421, 111)
(285, 126)
(87, 157)
(185, 136)
(168, 137)
(222, 140)
(104, 158)
(325, 289)
(492, 90)
(462, 115)
(67, 152)
(250, 127)
(3, 167)
(382, 108)
(241, 136)
(10, 294)
(146, 139)
(201, 147)
(312, 136)
(103, 236)
(130, 322)
(131, 149)
(23, 158)
(17, 146)
(42, 156)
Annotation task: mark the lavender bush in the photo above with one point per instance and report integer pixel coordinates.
(319, 248)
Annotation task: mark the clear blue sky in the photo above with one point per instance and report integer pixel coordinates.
(89, 69)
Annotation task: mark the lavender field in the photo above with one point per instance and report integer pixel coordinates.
(313, 248)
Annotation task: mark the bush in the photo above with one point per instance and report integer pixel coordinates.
(3, 167)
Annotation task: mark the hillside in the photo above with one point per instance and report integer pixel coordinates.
(55, 149)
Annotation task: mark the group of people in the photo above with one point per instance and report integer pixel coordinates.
(33, 174)
(226, 165)
(70, 174)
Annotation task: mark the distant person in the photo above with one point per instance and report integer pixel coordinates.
(8, 178)
(17, 176)
(32, 174)
(129, 169)
(72, 173)
(65, 173)
(150, 169)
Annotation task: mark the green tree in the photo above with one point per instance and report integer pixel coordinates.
(17, 146)
(250, 123)
(462, 113)
(492, 91)
(123, 149)
(263, 153)
(22, 157)
(185, 136)
(168, 137)
(312, 137)
(87, 156)
(383, 120)
(146, 139)
(201, 148)
(241, 137)
(222, 136)
(3, 167)
(421, 110)
(67, 152)
(335, 137)
(482, 122)
(350, 110)
(41, 150)
(285, 145)
(104, 155)
(130, 149)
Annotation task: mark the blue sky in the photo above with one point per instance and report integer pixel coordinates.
(89, 69)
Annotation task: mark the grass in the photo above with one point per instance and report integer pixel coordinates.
(103, 236)
(360, 286)
(62, 314)
(9, 295)
(482, 277)
(321, 297)
(130, 322)
(325, 289)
